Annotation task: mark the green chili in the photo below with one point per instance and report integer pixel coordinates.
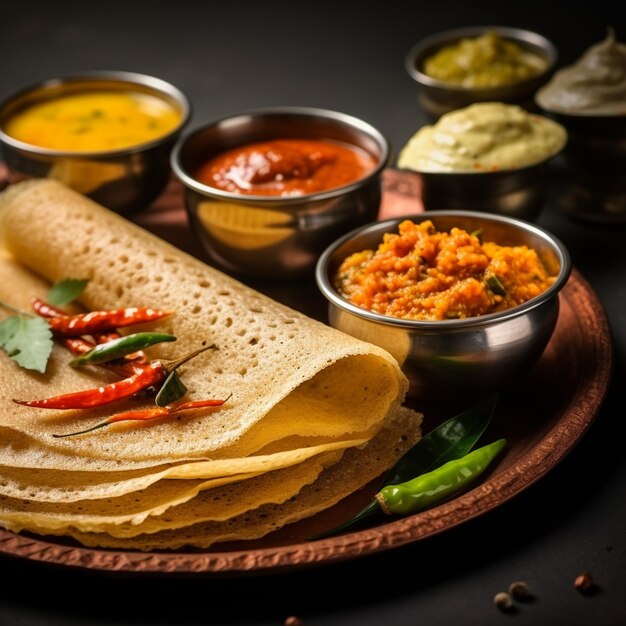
(121, 347)
(427, 489)
(451, 440)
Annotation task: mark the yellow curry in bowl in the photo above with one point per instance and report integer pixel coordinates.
(94, 121)
(106, 134)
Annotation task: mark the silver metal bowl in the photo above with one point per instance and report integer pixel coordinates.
(438, 97)
(460, 358)
(124, 180)
(595, 163)
(519, 193)
(272, 236)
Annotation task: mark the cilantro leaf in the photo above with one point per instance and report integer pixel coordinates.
(67, 290)
(6, 330)
(27, 340)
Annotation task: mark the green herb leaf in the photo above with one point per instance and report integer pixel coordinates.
(494, 284)
(450, 440)
(65, 291)
(172, 389)
(371, 510)
(28, 341)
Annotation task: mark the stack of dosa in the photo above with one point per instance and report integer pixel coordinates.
(314, 414)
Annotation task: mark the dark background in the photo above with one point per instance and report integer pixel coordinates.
(349, 57)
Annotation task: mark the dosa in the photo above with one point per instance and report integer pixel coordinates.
(307, 401)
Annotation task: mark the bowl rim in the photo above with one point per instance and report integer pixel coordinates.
(325, 285)
(157, 85)
(361, 125)
(524, 36)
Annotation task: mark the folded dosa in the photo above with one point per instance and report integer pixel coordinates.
(304, 396)
(357, 467)
(43, 485)
(194, 502)
(289, 375)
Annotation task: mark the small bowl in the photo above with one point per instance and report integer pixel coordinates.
(468, 358)
(438, 97)
(456, 176)
(125, 179)
(519, 193)
(585, 99)
(595, 162)
(276, 236)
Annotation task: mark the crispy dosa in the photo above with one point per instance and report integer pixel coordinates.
(307, 404)
(357, 467)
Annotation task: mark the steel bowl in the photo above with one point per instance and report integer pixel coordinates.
(458, 358)
(595, 121)
(272, 236)
(124, 180)
(519, 193)
(595, 167)
(438, 97)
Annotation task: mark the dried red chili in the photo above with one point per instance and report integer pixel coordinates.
(141, 375)
(150, 414)
(103, 321)
(44, 309)
(144, 376)
(80, 345)
(76, 345)
(197, 404)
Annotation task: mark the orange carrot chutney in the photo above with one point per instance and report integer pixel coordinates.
(422, 274)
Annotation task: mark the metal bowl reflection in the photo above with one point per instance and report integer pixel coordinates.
(519, 193)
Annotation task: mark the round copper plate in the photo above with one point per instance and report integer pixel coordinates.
(541, 428)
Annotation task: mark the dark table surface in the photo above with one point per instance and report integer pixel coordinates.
(349, 57)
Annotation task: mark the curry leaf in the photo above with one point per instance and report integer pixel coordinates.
(66, 290)
(27, 340)
(450, 440)
(172, 389)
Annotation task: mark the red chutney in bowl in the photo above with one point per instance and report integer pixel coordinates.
(286, 167)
